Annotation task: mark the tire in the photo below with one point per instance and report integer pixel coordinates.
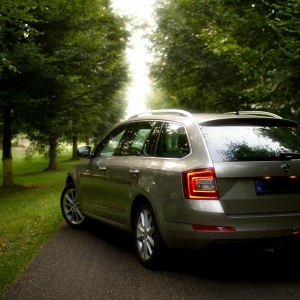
(148, 242)
(70, 207)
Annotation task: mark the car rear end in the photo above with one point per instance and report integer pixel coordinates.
(250, 192)
(257, 169)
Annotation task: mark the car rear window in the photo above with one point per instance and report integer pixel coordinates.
(250, 142)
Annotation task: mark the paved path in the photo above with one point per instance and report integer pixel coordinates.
(100, 263)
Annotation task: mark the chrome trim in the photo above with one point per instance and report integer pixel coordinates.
(289, 214)
(179, 112)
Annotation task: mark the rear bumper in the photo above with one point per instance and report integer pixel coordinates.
(250, 232)
(262, 243)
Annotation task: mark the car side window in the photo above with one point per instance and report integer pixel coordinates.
(173, 142)
(135, 139)
(110, 143)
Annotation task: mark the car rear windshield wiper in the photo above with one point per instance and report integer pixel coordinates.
(289, 155)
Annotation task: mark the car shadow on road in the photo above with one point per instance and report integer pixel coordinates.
(114, 237)
(231, 264)
(217, 264)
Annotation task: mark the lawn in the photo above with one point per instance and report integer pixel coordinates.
(30, 212)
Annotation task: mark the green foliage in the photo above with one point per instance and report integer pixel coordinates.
(15, 32)
(159, 99)
(87, 45)
(262, 40)
(62, 69)
(184, 66)
(226, 54)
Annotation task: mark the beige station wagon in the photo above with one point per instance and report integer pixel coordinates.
(180, 180)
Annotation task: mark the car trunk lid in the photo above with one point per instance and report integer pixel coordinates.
(258, 188)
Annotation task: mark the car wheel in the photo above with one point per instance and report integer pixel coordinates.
(148, 242)
(70, 207)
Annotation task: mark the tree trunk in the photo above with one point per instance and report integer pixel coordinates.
(8, 180)
(52, 153)
(87, 141)
(75, 146)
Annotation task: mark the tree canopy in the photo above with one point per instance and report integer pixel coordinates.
(229, 54)
(62, 68)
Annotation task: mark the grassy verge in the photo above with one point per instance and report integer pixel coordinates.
(30, 213)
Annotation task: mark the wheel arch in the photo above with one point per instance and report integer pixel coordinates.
(138, 200)
(69, 180)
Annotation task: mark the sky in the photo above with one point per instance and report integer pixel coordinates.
(137, 54)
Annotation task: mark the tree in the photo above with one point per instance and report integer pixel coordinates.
(18, 52)
(223, 54)
(14, 19)
(262, 40)
(159, 99)
(74, 57)
(92, 68)
(184, 66)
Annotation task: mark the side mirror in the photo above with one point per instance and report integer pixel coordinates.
(84, 152)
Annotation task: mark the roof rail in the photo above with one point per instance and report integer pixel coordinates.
(164, 112)
(256, 113)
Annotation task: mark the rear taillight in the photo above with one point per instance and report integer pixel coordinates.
(200, 184)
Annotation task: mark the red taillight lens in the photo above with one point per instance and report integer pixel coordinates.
(200, 184)
(212, 228)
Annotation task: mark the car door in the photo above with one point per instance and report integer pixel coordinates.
(124, 169)
(92, 179)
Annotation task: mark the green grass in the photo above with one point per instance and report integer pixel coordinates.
(30, 212)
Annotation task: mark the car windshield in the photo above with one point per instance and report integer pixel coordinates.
(250, 143)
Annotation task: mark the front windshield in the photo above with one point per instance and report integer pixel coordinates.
(250, 143)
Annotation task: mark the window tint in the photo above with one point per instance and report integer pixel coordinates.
(150, 144)
(173, 141)
(110, 143)
(250, 143)
(135, 138)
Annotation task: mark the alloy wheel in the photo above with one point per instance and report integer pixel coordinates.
(145, 234)
(70, 207)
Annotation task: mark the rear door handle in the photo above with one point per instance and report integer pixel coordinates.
(134, 172)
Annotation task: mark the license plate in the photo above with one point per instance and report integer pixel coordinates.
(277, 185)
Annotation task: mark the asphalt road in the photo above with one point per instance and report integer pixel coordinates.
(100, 263)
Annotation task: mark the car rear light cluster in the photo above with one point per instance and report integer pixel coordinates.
(200, 184)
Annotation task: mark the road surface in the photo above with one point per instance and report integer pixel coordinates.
(100, 263)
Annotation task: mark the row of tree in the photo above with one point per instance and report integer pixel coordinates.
(62, 66)
(62, 73)
(223, 55)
